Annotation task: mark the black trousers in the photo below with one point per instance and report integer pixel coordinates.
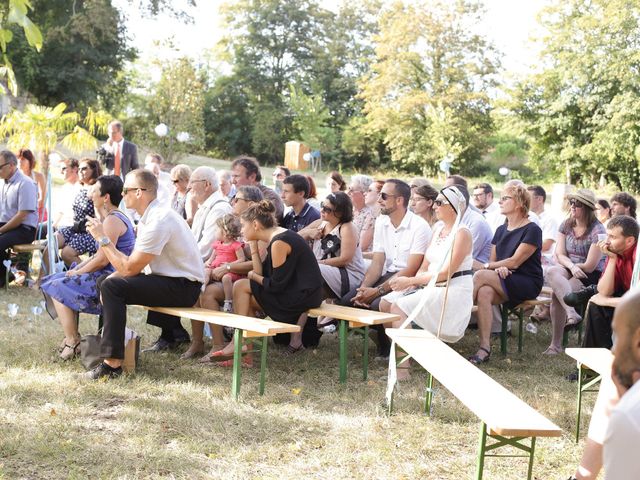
(149, 290)
(598, 330)
(384, 345)
(17, 236)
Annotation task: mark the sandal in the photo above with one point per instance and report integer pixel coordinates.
(214, 357)
(292, 350)
(572, 323)
(553, 351)
(247, 362)
(70, 351)
(477, 359)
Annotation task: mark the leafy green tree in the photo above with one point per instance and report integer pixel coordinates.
(311, 118)
(177, 101)
(427, 93)
(581, 111)
(84, 53)
(15, 13)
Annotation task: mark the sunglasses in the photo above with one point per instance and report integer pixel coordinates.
(576, 203)
(385, 196)
(126, 190)
(177, 180)
(439, 203)
(326, 209)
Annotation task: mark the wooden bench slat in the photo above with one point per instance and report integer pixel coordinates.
(249, 324)
(27, 247)
(356, 315)
(597, 359)
(502, 411)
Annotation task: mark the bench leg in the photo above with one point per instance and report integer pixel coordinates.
(579, 402)
(481, 451)
(503, 334)
(520, 322)
(237, 363)
(342, 337)
(428, 398)
(533, 449)
(263, 364)
(365, 353)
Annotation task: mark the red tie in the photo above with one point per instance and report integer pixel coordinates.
(116, 167)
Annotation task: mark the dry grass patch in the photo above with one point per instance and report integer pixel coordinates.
(176, 419)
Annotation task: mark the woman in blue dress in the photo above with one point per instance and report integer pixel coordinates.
(75, 291)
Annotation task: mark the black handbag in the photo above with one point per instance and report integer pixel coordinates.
(90, 351)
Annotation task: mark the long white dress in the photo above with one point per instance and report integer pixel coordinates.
(459, 298)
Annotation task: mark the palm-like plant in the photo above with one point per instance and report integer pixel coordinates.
(42, 128)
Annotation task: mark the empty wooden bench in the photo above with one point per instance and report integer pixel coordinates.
(245, 327)
(598, 360)
(503, 416)
(354, 318)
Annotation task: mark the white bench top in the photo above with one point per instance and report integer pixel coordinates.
(502, 412)
(250, 324)
(597, 359)
(355, 315)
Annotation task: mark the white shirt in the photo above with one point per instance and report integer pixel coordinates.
(620, 447)
(62, 203)
(549, 226)
(411, 237)
(113, 148)
(204, 222)
(165, 234)
(492, 209)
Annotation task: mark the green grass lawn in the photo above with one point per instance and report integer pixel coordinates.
(175, 419)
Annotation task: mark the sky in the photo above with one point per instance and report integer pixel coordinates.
(508, 23)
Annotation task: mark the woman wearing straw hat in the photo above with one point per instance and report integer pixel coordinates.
(580, 262)
(429, 309)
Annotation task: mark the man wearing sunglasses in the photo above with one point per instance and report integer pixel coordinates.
(164, 270)
(399, 242)
(18, 208)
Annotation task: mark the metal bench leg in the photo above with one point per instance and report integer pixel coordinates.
(342, 337)
(481, 451)
(531, 453)
(365, 353)
(237, 363)
(503, 334)
(428, 398)
(579, 403)
(263, 364)
(520, 325)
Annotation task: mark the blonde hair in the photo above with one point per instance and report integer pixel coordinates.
(521, 197)
(229, 225)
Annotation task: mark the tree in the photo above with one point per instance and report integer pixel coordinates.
(81, 61)
(42, 128)
(581, 111)
(311, 118)
(428, 90)
(177, 101)
(15, 12)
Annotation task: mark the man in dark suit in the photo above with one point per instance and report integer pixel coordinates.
(125, 153)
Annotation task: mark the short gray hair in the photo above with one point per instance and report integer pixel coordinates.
(208, 174)
(224, 175)
(9, 157)
(362, 181)
(251, 193)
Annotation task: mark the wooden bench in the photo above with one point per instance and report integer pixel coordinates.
(354, 318)
(245, 327)
(503, 416)
(597, 360)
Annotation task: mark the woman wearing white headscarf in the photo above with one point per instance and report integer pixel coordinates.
(454, 267)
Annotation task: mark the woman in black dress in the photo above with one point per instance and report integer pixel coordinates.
(514, 272)
(286, 284)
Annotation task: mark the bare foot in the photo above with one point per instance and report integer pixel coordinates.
(553, 350)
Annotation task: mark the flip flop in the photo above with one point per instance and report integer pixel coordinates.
(215, 357)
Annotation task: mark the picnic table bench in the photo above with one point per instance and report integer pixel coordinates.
(245, 327)
(503, 416)
(597, 360)
(354, 318)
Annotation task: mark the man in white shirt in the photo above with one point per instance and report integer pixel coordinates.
(212, 205)
(399, 242)
(548, 223)
(483, 200)
(164, 178)
(164, 270)
(620, 448)
(63, 197)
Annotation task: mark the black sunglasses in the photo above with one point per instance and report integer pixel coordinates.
(326, 209)
(439, 203)
(126, 190)
(576, 203)
(384, 195)
(176, 181)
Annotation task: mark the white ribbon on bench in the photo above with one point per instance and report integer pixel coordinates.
(452, 194)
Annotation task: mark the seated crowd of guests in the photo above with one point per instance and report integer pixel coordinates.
(386, 245)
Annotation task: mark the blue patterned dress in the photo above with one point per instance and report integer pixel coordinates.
(79, 292)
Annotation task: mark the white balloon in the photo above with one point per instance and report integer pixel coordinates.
(183, 137)
(162, 130)
(504, 171)
(307, 157)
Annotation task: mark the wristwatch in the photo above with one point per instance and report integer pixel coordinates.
(228, 267)
(381, 290)
(104, 241)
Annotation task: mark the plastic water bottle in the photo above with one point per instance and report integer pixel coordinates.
(329, 328)
(531, 328)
